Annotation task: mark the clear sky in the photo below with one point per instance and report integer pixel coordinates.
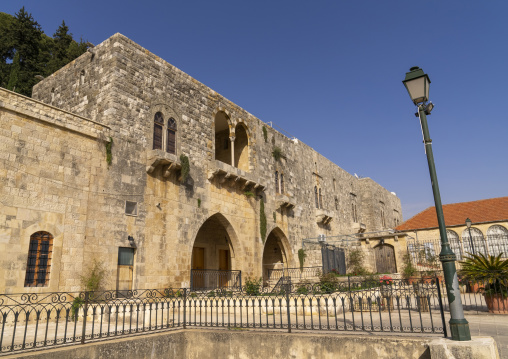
(330, 72)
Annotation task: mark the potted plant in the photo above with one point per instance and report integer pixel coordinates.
(493, 272)
(409, 271)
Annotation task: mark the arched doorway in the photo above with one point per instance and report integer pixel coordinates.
(241, 148)
(275, 256)
(222, 141)
(385, 258)
(212, 255)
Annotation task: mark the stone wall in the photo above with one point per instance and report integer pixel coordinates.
(119, 88)
(250, 344)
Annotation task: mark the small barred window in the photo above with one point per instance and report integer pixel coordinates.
(39, 260)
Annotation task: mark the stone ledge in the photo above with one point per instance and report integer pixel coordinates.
(285, 201)
(233, 176)
(208, 344)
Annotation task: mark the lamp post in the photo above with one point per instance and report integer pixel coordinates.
(468, 224)
(417, 84)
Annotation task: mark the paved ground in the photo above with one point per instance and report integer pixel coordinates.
(494, 325)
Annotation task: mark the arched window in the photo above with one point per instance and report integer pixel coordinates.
(39, 259)
(282, 183)
(497, 239)
(171, 137)
(316, 196)
(320, 199)
(453, 239)
(158, 124)
(277, 182)
(473, 243)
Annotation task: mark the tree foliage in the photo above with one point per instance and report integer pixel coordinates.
(25, 51)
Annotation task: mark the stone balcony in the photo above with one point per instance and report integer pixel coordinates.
(231, 176)
(156, 158)
(285, 201)
(323, 216)
(359, 227)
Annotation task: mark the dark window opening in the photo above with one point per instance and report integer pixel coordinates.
(39, 259)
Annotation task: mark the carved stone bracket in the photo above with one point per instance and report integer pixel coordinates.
(233, 177)
(323, 216)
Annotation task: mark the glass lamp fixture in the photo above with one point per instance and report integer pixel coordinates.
(417, 84)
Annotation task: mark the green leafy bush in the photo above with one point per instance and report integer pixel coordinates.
(184, 172)
(277, 153)
(253, 285)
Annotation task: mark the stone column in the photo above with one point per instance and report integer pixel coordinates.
(232, 139)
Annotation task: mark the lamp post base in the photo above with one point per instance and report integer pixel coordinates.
(460, 329)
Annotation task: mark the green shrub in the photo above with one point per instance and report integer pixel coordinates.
(355, 262)
(253, 285)
(248, 194)
(94, 278)
(76, 304)
(328, 282)
(184, 172)
(301, 258)
(265, 134)
(109, 155)
(277, 153)
(262, 221)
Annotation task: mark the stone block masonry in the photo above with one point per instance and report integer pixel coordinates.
(56, 178)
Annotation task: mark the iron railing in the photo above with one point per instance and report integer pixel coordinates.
(424, 253)
(296, 274)
(207, 279)
(31, 321)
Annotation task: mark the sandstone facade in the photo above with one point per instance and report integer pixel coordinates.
(56, 178)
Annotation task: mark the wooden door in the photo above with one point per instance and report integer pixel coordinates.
(385, 259)
(198, 264)
(223, 266)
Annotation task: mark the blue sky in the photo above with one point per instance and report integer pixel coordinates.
(330, 72)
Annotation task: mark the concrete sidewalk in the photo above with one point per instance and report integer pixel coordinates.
(493, 325)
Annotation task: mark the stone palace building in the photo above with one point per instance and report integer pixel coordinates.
(122, 158)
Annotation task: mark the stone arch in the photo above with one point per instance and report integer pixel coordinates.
(277, 254)
(215, 248)
(241, 147)
(222, 135)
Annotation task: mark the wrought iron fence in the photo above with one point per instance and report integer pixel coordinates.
(296, 274)
(31, 321)
(203, 279)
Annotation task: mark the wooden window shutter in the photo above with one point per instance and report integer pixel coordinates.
(171, 143)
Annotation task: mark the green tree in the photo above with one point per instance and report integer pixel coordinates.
(26, 36)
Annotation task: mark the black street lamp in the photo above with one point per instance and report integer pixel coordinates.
(468, 224)
(417, 84)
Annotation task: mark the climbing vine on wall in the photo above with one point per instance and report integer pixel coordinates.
(301, 257)
(262, 220)
(265, 134)
(184, 161)
(109, 155)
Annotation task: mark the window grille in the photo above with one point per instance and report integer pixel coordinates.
(497, 239)
(39, 259)
(277, 182)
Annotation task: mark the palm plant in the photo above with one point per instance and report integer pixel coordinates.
(491, 270)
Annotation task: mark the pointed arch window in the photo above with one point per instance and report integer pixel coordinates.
(39, 259)
(277, 182)
(316, 196)
(282, 183)
(158, 125)
(171, 136)
(320, 199)
(497, 239)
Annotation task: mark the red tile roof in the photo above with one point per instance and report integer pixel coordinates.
(485, 210)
